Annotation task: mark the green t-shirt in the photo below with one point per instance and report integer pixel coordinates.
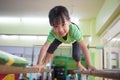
(74, 34)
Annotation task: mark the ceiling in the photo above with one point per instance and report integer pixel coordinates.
(82, 9)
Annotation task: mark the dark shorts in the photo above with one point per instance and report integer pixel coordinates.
(75, 49)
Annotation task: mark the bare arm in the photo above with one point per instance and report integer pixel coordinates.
(86, 52)
(43, 52)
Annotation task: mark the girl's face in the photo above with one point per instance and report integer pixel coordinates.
(62, 29)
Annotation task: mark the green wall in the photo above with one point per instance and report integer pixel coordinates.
(89, 28)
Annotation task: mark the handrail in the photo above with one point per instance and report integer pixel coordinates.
(111, 73)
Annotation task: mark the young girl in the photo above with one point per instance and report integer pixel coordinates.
(63, 31)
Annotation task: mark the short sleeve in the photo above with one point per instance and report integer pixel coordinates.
(78, 34)
(51, 37)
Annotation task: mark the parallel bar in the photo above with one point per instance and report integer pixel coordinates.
(17, 70)
(111, 74)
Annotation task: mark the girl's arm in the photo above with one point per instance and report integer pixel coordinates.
(43, 53)
(85, 52)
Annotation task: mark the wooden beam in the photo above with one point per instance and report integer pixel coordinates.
(17, 70)
(111, 74)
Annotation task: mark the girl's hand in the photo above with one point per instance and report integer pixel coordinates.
(91, 68)
(82, 68)
(39, 67)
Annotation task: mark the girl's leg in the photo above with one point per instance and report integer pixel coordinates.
(76, 51)
(76, 55)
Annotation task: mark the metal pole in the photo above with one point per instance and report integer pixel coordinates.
(103, 64)
(111, 74)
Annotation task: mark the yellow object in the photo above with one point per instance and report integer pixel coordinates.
(9, 77)
(10, 62)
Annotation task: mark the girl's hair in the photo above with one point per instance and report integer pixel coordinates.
(57, 14)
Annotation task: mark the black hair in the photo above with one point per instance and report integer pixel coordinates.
(57, 14)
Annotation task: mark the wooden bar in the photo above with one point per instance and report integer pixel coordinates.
(111, 74)
(16, 70)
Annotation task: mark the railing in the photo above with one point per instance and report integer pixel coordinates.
(15, 70)
(111, 74)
